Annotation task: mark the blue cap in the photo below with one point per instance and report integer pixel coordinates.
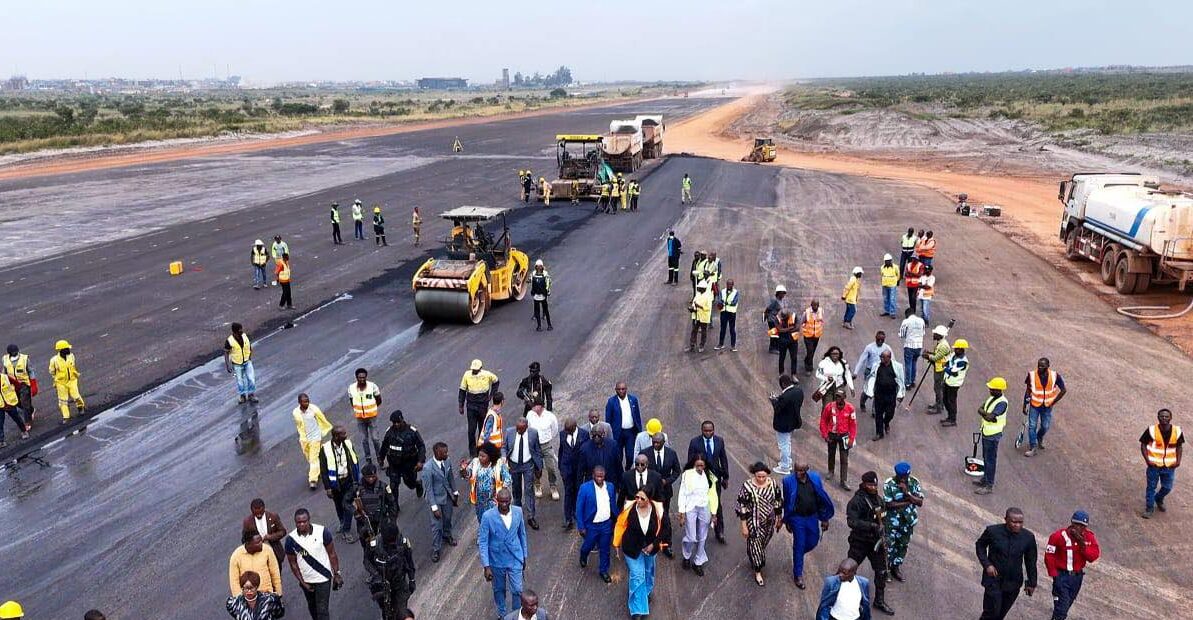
(902, 468)
(1081, 517)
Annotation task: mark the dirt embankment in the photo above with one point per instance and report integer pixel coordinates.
(1021, 180)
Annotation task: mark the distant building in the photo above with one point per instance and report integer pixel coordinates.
(16, 82)
(442, 83)
(504, 82)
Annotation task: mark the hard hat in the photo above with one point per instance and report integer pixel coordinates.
(357, 201)
(619, 175)
(61, 344)
(476, 365)
(11, 610)
(857, 271)
(542, 179)
(886, 257)
(997, 383)
(653, 426)
(538, 263)
(940, 330)
(780, 289)
(258, 242)
(960, 343)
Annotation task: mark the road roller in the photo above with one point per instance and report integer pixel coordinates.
(477, 271)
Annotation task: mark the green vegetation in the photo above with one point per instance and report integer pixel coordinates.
(1110, 103)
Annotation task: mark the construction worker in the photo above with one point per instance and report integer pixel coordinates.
(954, 377)
(927, 293)
(66, 380)
(849, 296)
(1069, 550)
(625, 192)
(615, 194)
(10, 406)
(699, 266)
(906, 248)
(546, 190)
(528, 185)
(674, 251)
(477, 386)
(282, 272)
(279, 247)
(540, 290)
(788, 340)
(238, 360)
(1161, 445)
(416, 223)
(603, 200)
(728, 301)
(365, 398)
(11, 610)
(911, 279)
(335, 224)
(712, 272)
(925, 249)
(403, 454)
(522, 186)
(492, 431)
(258, 258)
(889, 279)
(575, 191)
(701, 306)
(358, 221)
(1043, 389)
(939, 356)
(311, 425)
(771, 315)
(994, 419)
(685, 195)
(378, 226)
(20, 374)
(635, 190)
(812, 328)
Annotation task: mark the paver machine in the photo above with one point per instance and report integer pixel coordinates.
(477, 271)
(581, 160)
(763, 151)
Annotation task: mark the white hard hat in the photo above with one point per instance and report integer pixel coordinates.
(780, 289)
(258, 242)
(538, 263)
(940, 330)
(857, 271)
(886, 257)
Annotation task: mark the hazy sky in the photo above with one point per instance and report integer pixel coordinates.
(270, 40)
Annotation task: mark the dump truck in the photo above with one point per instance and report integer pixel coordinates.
(652, 135)
(580, 159)
(763, 151)
(622, 146)
(477, 271)
(1138, 233)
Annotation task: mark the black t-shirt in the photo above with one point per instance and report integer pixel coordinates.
(805, 499)
(885, 382)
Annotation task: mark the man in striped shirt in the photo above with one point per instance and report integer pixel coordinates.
(1069, 550)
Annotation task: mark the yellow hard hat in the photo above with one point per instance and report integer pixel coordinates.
(58, 346)
(11, 610)
(653, 426)
(997, 383)
(960, 343)
(376, 209)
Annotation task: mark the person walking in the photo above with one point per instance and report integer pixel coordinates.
(788, 341)
(807, 510)
(546, 425)
(340, 472)
(65, 373)
(1007, 553)
(477, 387)
(884, 383)
(635, 191)
(246, 602)
(258, 257)
(238, 361)
(903, 496)
(533, 388)
(365, 398)
(812, 328)
(266, 524)
(23, 379)
(442, 498)
(925, 249)
(1043, 390)
(529, 610)
(624, 416)
(911, 332)
(10, 405)
(416, 224)
(868, 360)
(911, 280)
(595, 504)
(685, 194)
(487, 473)
(1069, 550)
(571, 438)
(760, 508)
(993, 414)
(833, 375)
(373, 505)
(939, 356)
(699, 503)
(638, 533)
(378, 226)
(907, 248)
(335, 224)
(252, 556)
(712, 447)
(640, 478)
(849, 296)
(389, 562)
(838, 429)
(545, 189)
(311, 425)
(281, 271)
(674, 249)
(492, 430)
(845, 595)
(728, 301)
(312, 556)
(787, 419)
(501, 540)
(1162, 446)
(358, 220)
(525, 456)
(540, 290)
(955, 370)
(771, 314)
(701, 309)
(889, 279)
(927, 292)
(662, 459)
(601, 451)
(865, 515)
(403, 454)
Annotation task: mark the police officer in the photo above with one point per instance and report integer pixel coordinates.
(534, 387)
(403, 454)
(373, 504)
(390, 564)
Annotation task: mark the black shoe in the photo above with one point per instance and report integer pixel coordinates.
(568, 526)
(721, 538)
(699, 570)
(539, 328)
(534, 525)
(606, 578)
(845, 487)
(583, 562)
(242, 399)
(884, 608)
(668, 552)
(896, 575)
(253, 399)
(418, 490)
(550, 327)
(687, 564)
(434, 556)
(948, 423)
(1160, 506)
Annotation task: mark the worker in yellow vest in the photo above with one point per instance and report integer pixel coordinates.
(477, 387)
(358, 220)
(685, 189)
(312, 426)
(258, 258)
(335, 224)
(939, 356)
(546, 191)
(955, 369)
(66, 380)
(23, 379)
(812, 328)
(365, 398)
(728, 301)
(1162, 445)
(993, 414)
(603, 200)
(615, 194)
(701, 308)
(1043, 389)
(849, 295)
(416, 223)
(625, 192)
(238, 360)
(699, 266)
(10, 406)
(889, 279)
(907, 248)
(282, 270)
(635, 191)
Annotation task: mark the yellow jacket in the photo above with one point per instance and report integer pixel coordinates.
(852, 288)
(264, 563)
(64, 370)
(702, 302)
(8, 393)
(890, 275)
(320, 419)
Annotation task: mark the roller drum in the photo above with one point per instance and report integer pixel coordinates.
(440, 306)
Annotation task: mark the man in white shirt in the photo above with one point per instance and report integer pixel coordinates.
(594, 520)
(311, 553)
(846, 595)
(911, 331)
(547, 426)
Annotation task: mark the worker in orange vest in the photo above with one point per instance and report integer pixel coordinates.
(812, 328)
(492, 431)
(911, 279)
(1161, 445)
(365, 398)
(925, 248)
(1044, 388)
(282, 270)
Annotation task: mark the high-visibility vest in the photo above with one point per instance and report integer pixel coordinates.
(907, 242)
(333, 475)
(940, 355)
(335, 216)
(993, 428)
(496, 434)
(1161, 452)
(284, 274)
(604, 190)
(416, 220)
(635, 189)
(687, 183)
(851, 290)
(240, 354)
(19, 370)
(813, 323)
(790, 323)
(1043, 395)
(729, 299)
(890, 275)
(63, 370)
(498, 483)
(260, 256)
(955, 370)
(480, 383)
(927, 287)
(8, 393)
(364, 402)
(703, 314)
(926, 247)
(699, 268)
(911, 275)
(357, 214)
(616, 190)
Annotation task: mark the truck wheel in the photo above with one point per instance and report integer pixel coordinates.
(1071, 252)
(1142, 282)
(1124, 282)
(1109, 260)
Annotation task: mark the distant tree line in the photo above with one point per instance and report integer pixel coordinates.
(561, 77)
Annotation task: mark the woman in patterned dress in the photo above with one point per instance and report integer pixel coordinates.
(760, 506)
(487, 474)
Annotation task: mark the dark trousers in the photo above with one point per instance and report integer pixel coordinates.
(319, 600)
(17, 415)
(476, 417)
(335, 233)
(633, 203)
(545, 313)
(788, 346)
(884, 412)
(990, 456)
(344, 508)
(403, 473)
(571, 486)
(700, 329)
(719, 527)
(522, 481)
(1065, 587)
(286, 301)
(913, 293)
(358, 229)
(25, 397)
(834, 446)
(860, 551)
(673, 270)
(598, 536)
(997, 601)
(379, 235)
(950, 402)
(728, 321)
(625, 439)
(904, 256)
(810, 345)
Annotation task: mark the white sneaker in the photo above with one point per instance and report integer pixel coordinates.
(538, 491)
(718, 347)
(782, 470)
(554, 495)
(734, 349)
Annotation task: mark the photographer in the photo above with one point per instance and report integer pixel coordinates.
(390, 565)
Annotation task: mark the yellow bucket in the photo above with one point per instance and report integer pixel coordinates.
(176, 268)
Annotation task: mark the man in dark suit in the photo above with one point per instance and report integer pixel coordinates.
(441, 495)
(712, 447)
(570, 440)
(641, 477)
(525, 458)
(268, 525)
(600, 450)
(786, 404)
(662, 459)
(625, 418)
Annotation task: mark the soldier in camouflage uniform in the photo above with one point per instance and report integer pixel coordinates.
(903, 497)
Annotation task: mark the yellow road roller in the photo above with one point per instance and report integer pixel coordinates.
(478, 270)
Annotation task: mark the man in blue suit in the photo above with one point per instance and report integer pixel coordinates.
(503, 550)
(622, 413)
(571, 438)
(600, 450)
(712, 446)
(525, 456)
(846, 593)
(806, 513)
(596, 510)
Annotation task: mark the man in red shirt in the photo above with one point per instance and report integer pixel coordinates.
(1069, 550)
(838, 428)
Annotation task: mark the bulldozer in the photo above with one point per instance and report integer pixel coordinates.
(477, 271)
(763, 151)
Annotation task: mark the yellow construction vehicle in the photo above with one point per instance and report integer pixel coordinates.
(764, 150)
(478, 269)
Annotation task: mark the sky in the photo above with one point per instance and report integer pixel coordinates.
(268, 41)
